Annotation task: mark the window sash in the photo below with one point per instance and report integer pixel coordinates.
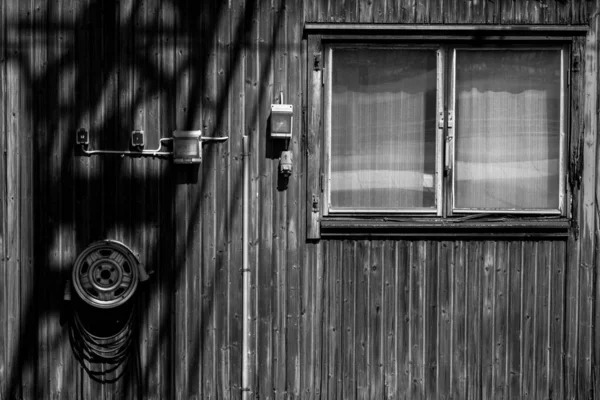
(328, 104)
(445, 186)
(452, 140)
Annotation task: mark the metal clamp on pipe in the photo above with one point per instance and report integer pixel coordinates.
(187, 146)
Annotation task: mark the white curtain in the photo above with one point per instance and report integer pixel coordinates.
(507, 129)
(383, 128)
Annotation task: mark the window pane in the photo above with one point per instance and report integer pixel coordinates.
(383, 129)
(507, 129)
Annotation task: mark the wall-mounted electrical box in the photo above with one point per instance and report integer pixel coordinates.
(83, 138)
(137, 138)
(281, 121)
(186, 147)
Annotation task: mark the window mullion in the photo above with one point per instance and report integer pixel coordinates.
(450, 133)
(439, 190)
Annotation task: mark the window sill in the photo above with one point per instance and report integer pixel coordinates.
(466, 227)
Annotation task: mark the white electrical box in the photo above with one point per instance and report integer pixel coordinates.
(186, 147)
(282, 116)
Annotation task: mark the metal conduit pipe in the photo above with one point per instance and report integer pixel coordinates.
(149, 153)
(246, 272)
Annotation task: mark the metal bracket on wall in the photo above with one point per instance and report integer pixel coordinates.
(82, 140)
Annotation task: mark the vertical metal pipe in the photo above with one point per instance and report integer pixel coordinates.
(246, 360)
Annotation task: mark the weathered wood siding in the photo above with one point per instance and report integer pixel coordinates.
(333, 319)
(439, 319)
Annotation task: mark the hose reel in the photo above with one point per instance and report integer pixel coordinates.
(103, 325)
(106, 274)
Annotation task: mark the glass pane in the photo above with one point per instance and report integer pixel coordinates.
(507, 129)
(383, 129)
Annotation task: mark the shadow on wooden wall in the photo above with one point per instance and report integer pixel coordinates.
(113, 67)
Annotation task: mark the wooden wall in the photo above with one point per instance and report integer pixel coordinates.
(333, 319)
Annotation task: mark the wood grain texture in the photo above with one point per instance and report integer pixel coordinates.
(4, 349)
(338, 318)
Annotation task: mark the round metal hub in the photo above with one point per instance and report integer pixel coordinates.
(105, 275)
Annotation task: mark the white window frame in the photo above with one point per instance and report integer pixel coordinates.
(445, 104)
(451, 132)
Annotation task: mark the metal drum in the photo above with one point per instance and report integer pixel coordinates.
(106, 274)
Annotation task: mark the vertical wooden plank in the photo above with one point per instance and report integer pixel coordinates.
(375, 320)
(515, 276)
(588, 205)
(593, 10)
(336, 10)
(233, 215)
(351, 10)
(124, 215)
(323, 10)
(409, 11)
(251, 126)
(563, 12)
(487, 318)
(307, 343)
(450, 11)
(572, 275)
(68, 179)
(47, 349)
(416, 323)
(98, 81)
(531, 12)
(474, 338)
(317, 350)
(548, 10)
(422, 12)
(542, 320)
(279, 86)
(445, 273)
(478, 12)
(500, 315)
(183, 323)
(86, 169)
(28, 307)
(151, 379)
(13, 228)
(332, 349)
(458, 380)
(378, 10)
(465, 12)
(393, 11)
(528, 319)
(362, 319)
(165, 355)
(403, 268)
(493, 12)
(332, 11)
(431, 308)
(557, 322)
(266, 275)
(366, 11)
(325, 330)
(313, 143)
(578, 12)
(295, 95)
(4, 351)
(350, 273)
(204, 84)
(436, 11)
(390, 315)
(507, 14)
(391, 319)
(338, 348)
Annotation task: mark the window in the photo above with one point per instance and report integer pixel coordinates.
(444, 130)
